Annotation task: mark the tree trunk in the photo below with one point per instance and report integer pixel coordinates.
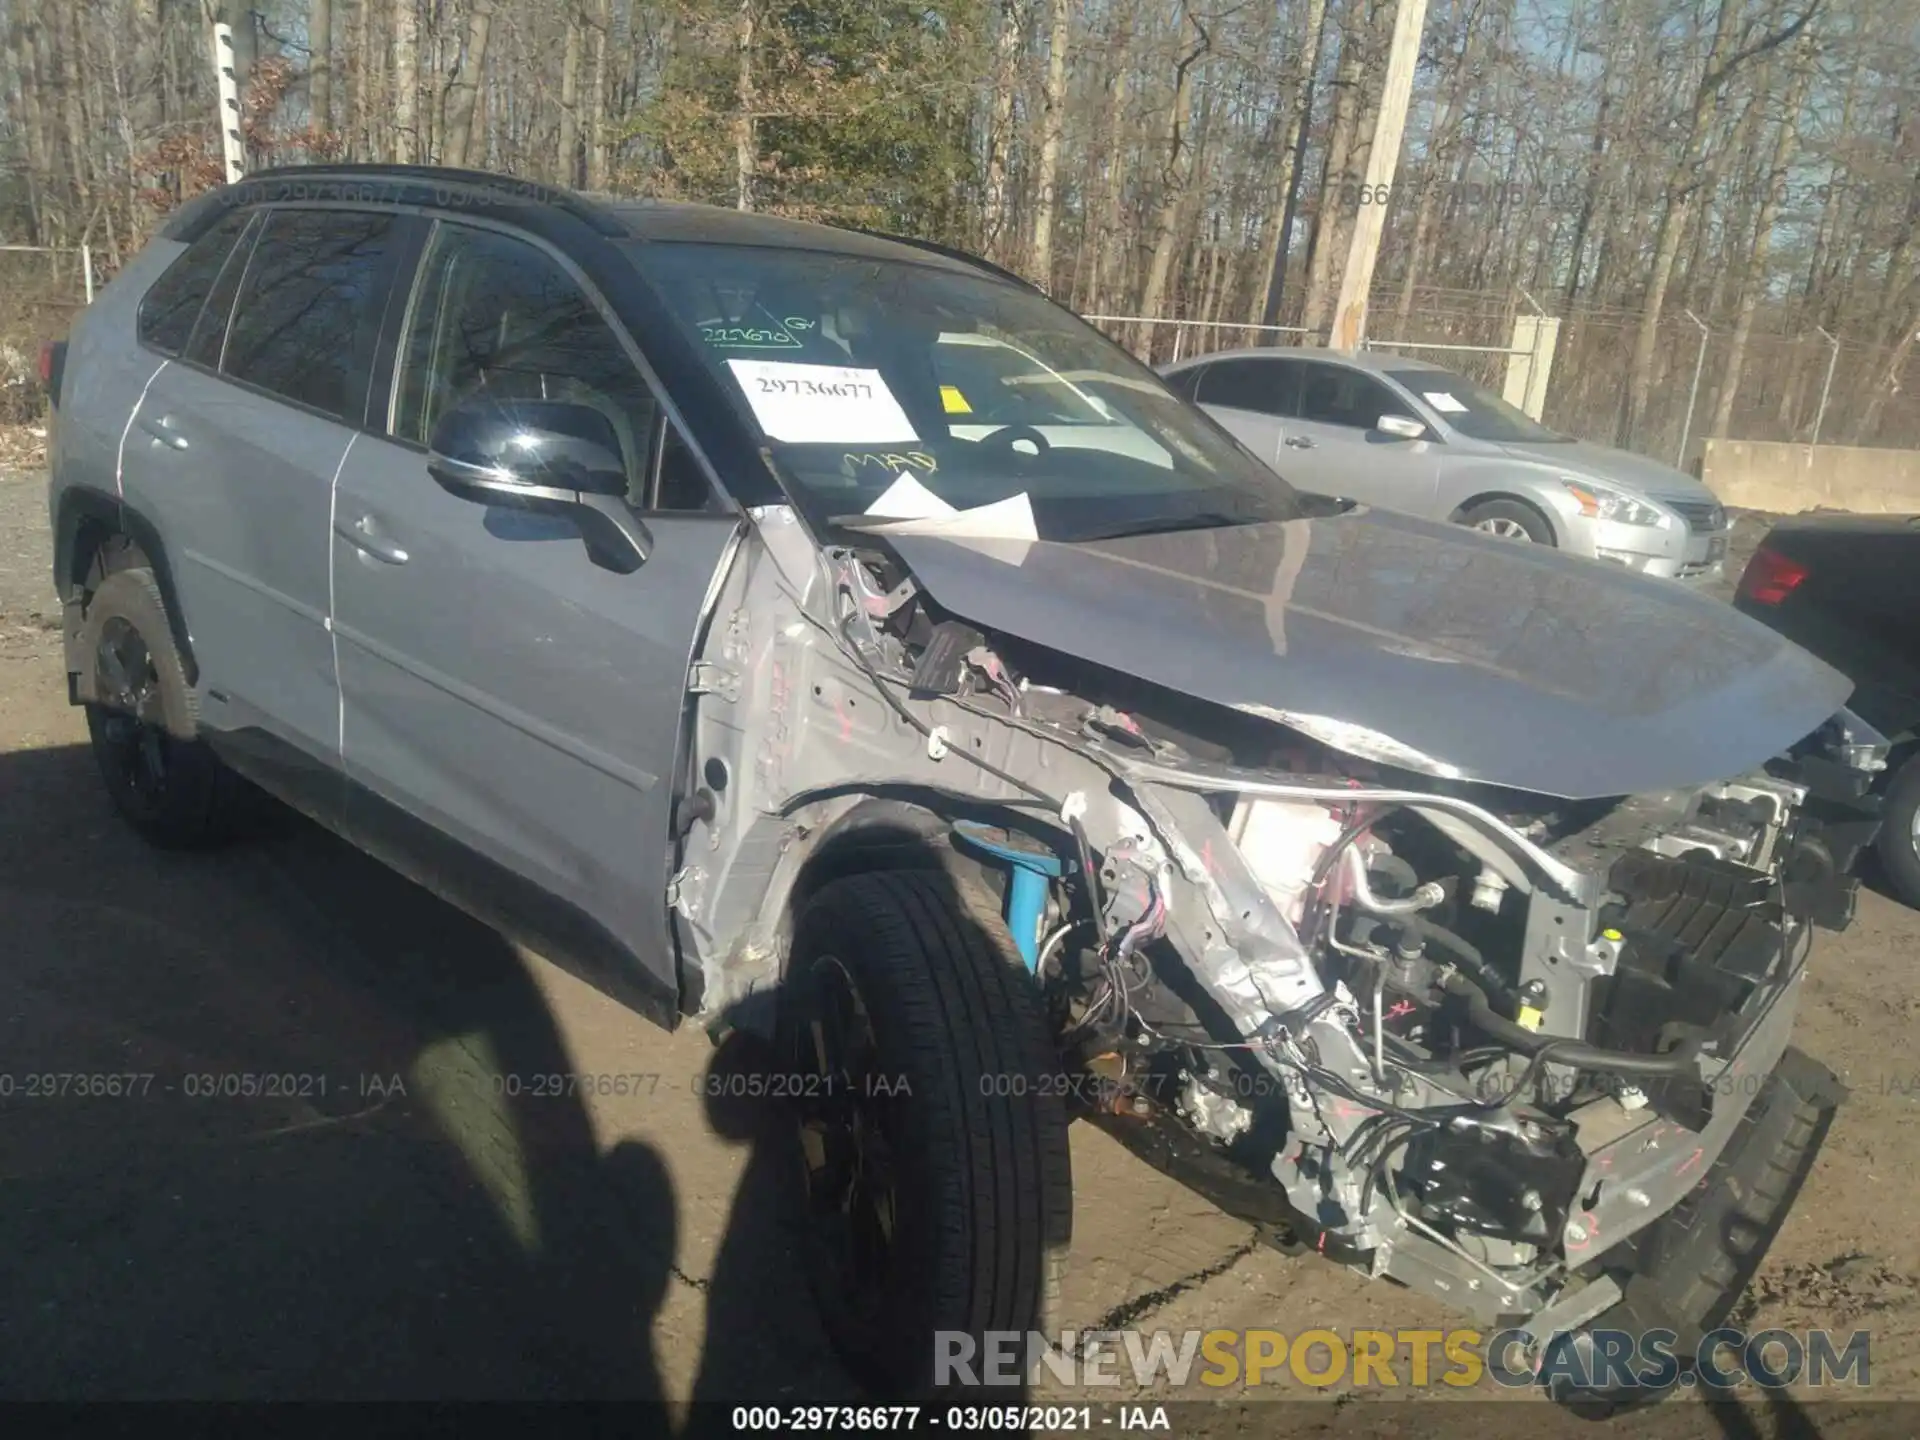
(1275, 232)
(1823, 236)
(1008, 43)
(567, 162)
(406, 82)
(1446, 126)
(1753, 271)
(1174, 174)
(320, 66)
(1346, 111)
(596, 169)
(1052, 127)
(1590, 194)
(1682, 188)
(746, 145)
(464, 96)
(1107, 237)
(361, 79)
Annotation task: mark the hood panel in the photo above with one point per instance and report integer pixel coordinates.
(1620, 467)
(1513, 665)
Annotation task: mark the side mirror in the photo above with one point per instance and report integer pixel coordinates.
(1401, 427)
(550, 456)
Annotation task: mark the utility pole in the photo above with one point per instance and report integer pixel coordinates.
(1350, 314)
(228, 88)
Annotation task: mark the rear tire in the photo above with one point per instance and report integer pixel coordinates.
(162, 778)
(935, 1182)
(1509, 520)
(1899, 839)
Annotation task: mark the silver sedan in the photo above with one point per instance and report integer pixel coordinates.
(1410, 436)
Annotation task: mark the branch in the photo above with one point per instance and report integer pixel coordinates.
(1714, 79)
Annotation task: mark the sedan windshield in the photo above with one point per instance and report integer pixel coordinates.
(1475, 411)
(859, 372)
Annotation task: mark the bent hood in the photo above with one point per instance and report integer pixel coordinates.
(1463, 655)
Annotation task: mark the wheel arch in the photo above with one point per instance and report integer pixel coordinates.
(1486, 496)
(96, 534)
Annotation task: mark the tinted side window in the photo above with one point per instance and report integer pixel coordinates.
(1335, 395)
(210, 331)
(310, 307)
(498, 319)
(172, 304)
(1263, 386)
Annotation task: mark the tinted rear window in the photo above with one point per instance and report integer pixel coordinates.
(173, 303)
(309, 307)
(210, 332)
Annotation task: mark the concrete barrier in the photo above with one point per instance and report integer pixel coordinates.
(1786, 479)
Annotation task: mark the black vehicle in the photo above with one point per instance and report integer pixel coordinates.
(1847, 588)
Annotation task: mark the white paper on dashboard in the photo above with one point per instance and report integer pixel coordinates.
(908, 499)
(822, 404)
(1003, 530)
(1009, 519)
(1444, 402)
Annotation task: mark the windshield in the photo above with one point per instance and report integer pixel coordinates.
(858, 372)
(1474, 411)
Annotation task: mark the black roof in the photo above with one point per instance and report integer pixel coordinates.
(614, 216)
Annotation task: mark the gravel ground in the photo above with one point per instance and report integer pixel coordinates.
(395, 1225)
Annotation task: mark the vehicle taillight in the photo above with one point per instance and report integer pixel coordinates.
(53, 362)
(1770, 577)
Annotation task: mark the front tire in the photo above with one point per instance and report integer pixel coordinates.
(936, 1189)
(1509, 520)
(1899, 838)
(161, 776)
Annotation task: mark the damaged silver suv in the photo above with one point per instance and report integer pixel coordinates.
(824, 634)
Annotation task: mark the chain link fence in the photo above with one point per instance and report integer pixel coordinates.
(1796, 385)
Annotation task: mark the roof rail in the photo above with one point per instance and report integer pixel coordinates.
(474, 183)
(952, 253)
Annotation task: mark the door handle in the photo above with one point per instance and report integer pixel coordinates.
(1298, 442)
(363, 535)
(160, 427)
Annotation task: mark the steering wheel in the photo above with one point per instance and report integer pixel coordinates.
(1007, 436)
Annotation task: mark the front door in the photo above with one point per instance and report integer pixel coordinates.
(1334, 445)
(512, 711)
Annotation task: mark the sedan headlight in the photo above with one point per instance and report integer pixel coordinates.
(1601, 502)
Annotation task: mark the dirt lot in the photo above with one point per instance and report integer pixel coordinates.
(397, 1225)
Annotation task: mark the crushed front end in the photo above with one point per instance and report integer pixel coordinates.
(1496, 1045)
(1494, 1050)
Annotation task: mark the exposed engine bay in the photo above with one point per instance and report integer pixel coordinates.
(1466, 1037)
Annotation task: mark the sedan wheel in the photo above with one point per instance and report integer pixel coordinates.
(1508, 520)
(1503, 527)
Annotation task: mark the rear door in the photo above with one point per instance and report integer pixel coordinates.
(121, 342)
(513, 712)
(237, 444)
(1252, 396)
(1333, 444)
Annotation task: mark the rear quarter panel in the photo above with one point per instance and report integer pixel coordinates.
(107, 372)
